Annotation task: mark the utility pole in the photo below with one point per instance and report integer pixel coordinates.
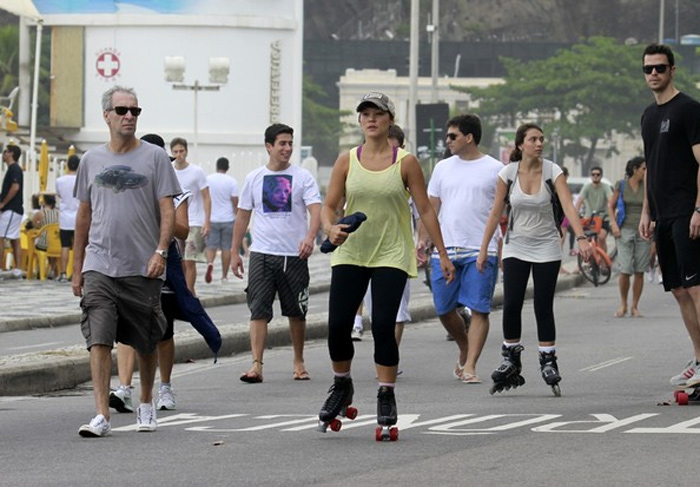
(662, 10)
(413, 73)
(434, 29)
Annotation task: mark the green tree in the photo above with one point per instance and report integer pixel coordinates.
(9, 53)
(322, 125)
(583, 94)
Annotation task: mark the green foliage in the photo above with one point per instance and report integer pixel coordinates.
(584, 94)
(9, 54)
(9, 66)
(322, 125)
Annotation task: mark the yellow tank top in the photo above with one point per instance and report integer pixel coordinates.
(385, 239)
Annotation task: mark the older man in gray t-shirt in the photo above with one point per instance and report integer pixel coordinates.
(123, 228)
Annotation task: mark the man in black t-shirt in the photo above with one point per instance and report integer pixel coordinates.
(11, 206)
(671, 211)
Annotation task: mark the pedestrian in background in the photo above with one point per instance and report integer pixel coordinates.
(193, 179)
(68, 207)
(633, 251)
(12, 206)
(223, 190)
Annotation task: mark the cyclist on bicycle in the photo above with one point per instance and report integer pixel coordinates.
(594, 196)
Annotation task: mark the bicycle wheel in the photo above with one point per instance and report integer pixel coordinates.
(589, 269)
(604, 270)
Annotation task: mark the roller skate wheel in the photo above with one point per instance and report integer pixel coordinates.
(556, 390)
(675, 395)
(393, 434)
(336, 424)
(682, 398)
(351, 412)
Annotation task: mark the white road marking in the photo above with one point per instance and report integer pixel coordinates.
(602, 365)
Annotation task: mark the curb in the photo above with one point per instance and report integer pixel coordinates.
(55, 370)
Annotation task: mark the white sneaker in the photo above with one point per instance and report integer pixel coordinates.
(694, 380)
(121, 400)
(691, 371)
(356, 334)
(99, 426)
(166, 399)
(146, 418)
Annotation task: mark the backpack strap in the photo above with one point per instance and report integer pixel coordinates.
(547, 172)
(509, 208)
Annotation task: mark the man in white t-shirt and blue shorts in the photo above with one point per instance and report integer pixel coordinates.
(462, 189)
(280, 195)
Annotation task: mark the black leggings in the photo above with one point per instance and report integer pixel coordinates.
(516, 273)
(348, 287)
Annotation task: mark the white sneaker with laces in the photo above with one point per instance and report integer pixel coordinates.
(356, 334)
(691, 371)
(121, 399)
(146, 418)
(99, 426)
(166, 398)
(694, 380)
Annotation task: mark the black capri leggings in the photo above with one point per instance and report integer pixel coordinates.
(348, 287)
(516, 273)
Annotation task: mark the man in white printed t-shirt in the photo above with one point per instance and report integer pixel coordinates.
(280, 195)
(223, 190)
(192, 178)
(462, 189)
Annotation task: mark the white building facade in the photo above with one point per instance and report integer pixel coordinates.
(102, 43)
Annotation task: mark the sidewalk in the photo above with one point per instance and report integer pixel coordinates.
(29, 304)
(35, 304)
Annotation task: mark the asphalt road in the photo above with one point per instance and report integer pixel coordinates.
(606, 429)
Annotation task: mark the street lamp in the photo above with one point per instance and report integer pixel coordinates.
(218, 75)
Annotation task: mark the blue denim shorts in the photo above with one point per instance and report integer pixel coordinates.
(470, 287)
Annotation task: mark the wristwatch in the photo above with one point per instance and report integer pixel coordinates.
(697, 209)
(162, 253)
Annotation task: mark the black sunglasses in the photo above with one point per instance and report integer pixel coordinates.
(451, 136)
(596, 174)
(135, 111)
(660, 68)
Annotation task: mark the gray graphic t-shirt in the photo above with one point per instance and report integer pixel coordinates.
(123, 191)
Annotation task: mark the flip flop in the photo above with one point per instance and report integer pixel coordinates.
(251, 378)
(468, 378)
(303, 375)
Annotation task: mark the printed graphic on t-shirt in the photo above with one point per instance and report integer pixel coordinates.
(120, 178)
(277, 193)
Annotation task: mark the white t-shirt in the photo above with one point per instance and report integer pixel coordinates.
(466, 190)
(279, 200)
(534, 236)
(222, 188)
(192, 178)
(67, 203)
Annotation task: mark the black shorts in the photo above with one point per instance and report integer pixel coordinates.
(285, 276)
(172, 312)
(678, 255)
(66, 237)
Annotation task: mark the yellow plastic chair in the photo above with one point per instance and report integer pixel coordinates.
(29, 259)
(27, 240)
(53, 248)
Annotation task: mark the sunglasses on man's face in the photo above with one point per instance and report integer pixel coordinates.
(135, 111)
(595, 174)
(660, 68)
